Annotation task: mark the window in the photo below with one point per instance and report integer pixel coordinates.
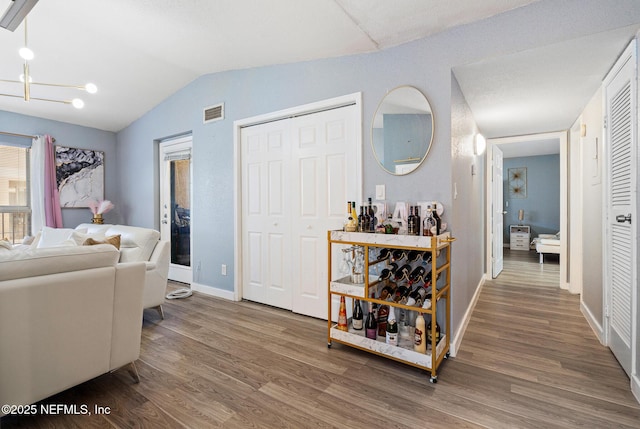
(15, 210)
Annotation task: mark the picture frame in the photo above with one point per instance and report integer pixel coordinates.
(79, 176)
(518, 182)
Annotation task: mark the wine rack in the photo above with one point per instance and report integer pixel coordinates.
(439, 249)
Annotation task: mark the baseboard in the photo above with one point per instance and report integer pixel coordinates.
(635, 387)
(593, 322)
(456, 340)
(214, 291)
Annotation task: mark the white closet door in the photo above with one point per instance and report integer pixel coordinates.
(620, 96)
(266, 232)
(324, 177)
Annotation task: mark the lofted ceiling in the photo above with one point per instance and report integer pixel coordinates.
(140, 52)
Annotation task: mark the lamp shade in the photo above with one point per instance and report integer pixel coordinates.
(520, 215)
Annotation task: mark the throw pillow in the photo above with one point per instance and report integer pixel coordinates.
(5, 245)
(114, 240)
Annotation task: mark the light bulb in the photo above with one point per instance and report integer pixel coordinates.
(22, 78)
(77, 103)
(480, 144)
(91, 88)
(26, 53)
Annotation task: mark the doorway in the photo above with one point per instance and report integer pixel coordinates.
(528, 145)
(175, 204)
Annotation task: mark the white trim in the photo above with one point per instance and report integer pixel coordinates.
(456, 340)
(564, 220)
(576, 204)
(635, 386)
(594, 323)
(355, 98)
(213, 291)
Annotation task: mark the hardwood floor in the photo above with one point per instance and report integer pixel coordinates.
(528, 360)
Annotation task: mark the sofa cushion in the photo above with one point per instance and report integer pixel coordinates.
(136, 244)
(54, 237)
(53, 260)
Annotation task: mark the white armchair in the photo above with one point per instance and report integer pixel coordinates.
(141, 244)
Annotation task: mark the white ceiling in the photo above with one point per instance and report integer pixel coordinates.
(140, 52)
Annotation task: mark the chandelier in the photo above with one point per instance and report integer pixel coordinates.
(27, 82)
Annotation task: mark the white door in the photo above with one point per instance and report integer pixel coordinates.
(175, 205)
(620, 254)
(497, 218)
(266, 221)
(324, 156)
(296, 176)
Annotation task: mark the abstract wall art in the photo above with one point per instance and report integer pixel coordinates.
(80, 176)
(518, 182)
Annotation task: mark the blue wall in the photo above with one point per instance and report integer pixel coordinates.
(72, 136)
(542, 204)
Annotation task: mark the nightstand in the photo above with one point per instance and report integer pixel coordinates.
(520, 237)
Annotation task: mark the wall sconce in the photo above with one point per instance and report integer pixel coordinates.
(479, 144)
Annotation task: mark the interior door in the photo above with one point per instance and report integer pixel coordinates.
(175, 205)
(621, 143)
(323, 157)
(266, 222)
(497, 219)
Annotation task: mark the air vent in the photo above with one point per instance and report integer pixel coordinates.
(213, 113)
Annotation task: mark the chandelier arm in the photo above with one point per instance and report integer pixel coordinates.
(11, 95)
(53, 101)
(80, 87)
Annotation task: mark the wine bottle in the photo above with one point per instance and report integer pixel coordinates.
(402, 272)
(370, 326)
(417, 274)
(416, 297)
(426, 257)
(342, 315)
(384, 254)
(412, 255)
(391, 332)
(437, 219)
(402, 294)
(420, 343)
(361, 221)
(373, 219)
(418, 223)
(367, 220)
(386, 273)
(411, 222)
(356, 320)
(383, 314)
(428, 223)
(430, 333)
(397, 255)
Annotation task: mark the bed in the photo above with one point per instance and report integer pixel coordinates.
(547, 243)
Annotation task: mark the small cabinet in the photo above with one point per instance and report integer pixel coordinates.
(435, 254)
(520, 237)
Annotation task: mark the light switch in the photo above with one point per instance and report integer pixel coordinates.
(380, 192)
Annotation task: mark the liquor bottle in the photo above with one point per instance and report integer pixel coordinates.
(349, 223)
(361, 221)
(372, 217)
(430, 333)
(397, 255)
(391, 332)
(342, 315)
(404, 323)
(428, 223)
(356, 320)
(412, 255)
(402, 272)
(367, 220)
(411, 222)
(419, 342)
(354, 215)
(437, 219)
(417, 274)
(416, 214)
(371, 326)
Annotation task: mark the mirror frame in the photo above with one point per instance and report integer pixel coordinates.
(430, 143)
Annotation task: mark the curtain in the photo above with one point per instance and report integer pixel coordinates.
(52, 211)
(45, 202)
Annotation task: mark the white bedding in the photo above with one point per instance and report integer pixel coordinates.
(547, 243)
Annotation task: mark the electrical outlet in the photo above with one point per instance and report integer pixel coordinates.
(224, 270)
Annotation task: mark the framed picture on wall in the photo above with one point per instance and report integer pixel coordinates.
(79, 175)
(518, 182)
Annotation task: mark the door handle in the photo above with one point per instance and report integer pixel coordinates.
(164, 221)
(623, 218)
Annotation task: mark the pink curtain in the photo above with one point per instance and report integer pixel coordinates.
(52, 211)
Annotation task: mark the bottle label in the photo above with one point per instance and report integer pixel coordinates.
(392, 338)
(357, 324)
(418, 337)
(372, 333)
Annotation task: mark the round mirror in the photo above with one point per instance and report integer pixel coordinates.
(402, 130)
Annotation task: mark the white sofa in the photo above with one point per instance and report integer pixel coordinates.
(67, 315)
(141, 245)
